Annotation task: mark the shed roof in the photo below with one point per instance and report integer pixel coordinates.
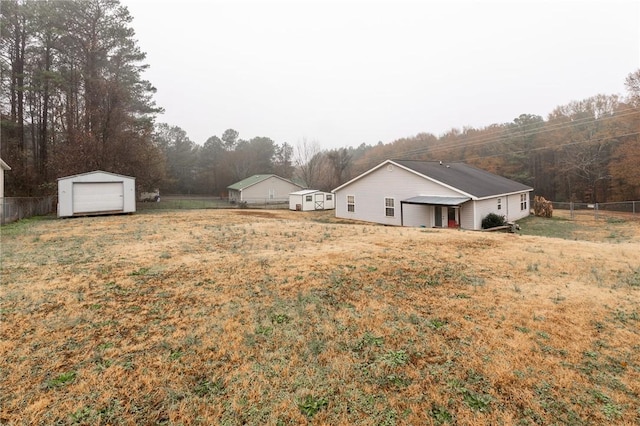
(3, 165)
(464, 177)
(305, 192)
(252, 180)
(96, 172)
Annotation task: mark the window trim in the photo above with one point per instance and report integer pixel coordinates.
(499, 203)
(524, 201)
(389, 208)
(351, 203)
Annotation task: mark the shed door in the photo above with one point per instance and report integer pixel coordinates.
(319, 202)
(98, 197)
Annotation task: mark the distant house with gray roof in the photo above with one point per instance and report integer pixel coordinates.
(430, 194)
(266, 188)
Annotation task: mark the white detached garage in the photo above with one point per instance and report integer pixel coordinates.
(96, 193)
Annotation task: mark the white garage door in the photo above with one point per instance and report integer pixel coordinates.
(98, 197)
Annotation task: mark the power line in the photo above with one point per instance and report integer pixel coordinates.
(543, 148)
(500, 134)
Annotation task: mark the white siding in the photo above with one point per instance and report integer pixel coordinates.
(418, 215)
(318, 200)
(323, 201)
(513, 207)
(272, 189)
(484, 207)
(510, 208)
(96, 193)
(234, 195)
(295, 200)
(466, 215)
(371, 190)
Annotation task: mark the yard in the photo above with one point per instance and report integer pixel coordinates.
(277, 317)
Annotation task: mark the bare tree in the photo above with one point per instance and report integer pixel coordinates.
(309, 159)
(339, 161)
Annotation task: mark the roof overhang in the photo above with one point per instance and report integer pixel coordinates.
(505, 194)
(435, 200)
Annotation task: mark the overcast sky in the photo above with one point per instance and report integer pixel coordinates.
(353, 71)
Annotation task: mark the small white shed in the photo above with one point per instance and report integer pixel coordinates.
(311, 199)
(96, 193)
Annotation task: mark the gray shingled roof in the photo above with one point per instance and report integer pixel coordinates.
(471, 180)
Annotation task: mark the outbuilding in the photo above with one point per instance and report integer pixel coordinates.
(266, 188)
(95, 193)
(310, 199)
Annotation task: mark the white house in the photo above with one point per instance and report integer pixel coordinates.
(3, 166)
(96, 193)
(311, 199)
(262, 189)
(430, 194)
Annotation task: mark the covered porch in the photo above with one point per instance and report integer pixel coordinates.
(430, 211)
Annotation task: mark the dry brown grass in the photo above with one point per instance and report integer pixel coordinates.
(276, 317)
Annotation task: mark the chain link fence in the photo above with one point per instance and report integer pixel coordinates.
(16, 208)
(620, 210)
(188, 202)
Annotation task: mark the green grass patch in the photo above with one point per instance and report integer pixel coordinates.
(553, 227)
(61, 380)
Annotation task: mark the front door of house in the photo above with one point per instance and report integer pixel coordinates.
(452, 221)
(438, 222)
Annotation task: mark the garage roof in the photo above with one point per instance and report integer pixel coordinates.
(95, 172)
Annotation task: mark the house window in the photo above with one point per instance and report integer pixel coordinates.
(499, 203)
(523, 201)
(308, 198)
(329, 197)
(351, 203)
(389, 208)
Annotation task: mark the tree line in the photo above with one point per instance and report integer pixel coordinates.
(73, 100)
(587, 150)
